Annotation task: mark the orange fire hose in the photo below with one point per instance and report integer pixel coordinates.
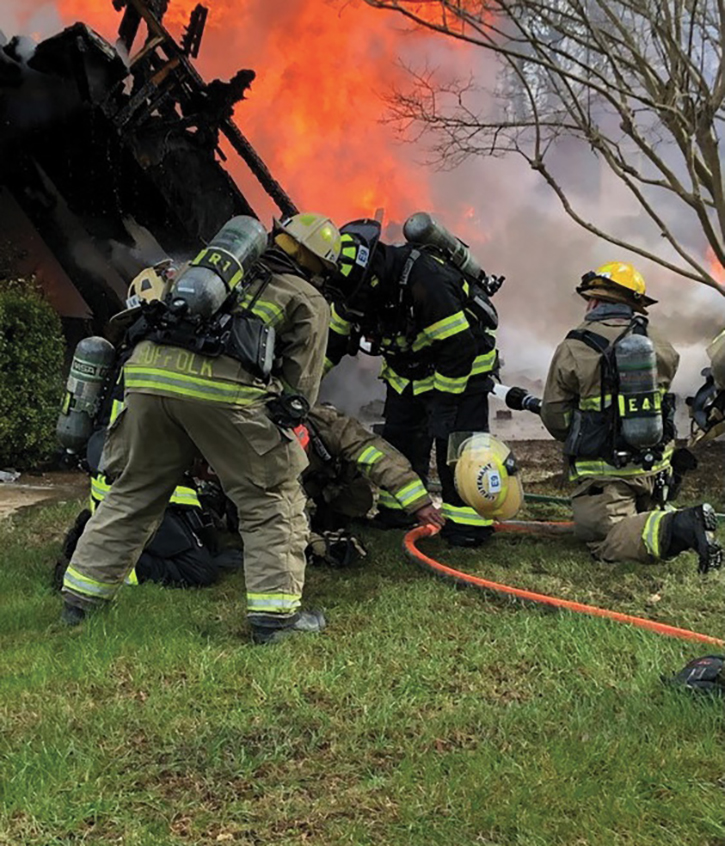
(459, 577)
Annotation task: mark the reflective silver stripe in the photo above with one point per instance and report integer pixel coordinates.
(78, 583)
(273, 603)
(369, 456)
(410, 493)
(387, 500)
(651, 533)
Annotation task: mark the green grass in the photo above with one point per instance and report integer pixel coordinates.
(424, 715)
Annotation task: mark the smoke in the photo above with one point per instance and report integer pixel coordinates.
(316, 114)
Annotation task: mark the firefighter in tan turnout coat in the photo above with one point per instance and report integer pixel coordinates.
(618, 503)
(180, 404)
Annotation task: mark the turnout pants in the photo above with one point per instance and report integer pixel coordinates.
(258, 466)
(617, 520)
(406, 428)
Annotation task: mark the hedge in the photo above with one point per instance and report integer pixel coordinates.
(31, 368)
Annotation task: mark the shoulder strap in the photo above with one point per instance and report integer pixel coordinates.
(592, 339)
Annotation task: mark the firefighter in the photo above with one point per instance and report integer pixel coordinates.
(346, 462)
(439, 354)
(618, 504)
(180, 403)
(183, 551)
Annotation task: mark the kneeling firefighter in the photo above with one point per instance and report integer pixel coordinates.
(183, 551)
(226, 368)
(606, 398)
(425, 307)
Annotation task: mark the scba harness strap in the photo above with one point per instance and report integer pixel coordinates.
(233, 331)
(596, 432)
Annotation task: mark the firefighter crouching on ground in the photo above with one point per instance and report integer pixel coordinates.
(587, 405)
(346, 461)
(183, 551)
(438, 353)
(180, 403)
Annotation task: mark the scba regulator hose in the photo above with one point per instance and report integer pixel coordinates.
(457, 576)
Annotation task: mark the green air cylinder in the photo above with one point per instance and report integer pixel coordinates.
(640, 402)
(421, 228)
(92, 362)
(220, 266)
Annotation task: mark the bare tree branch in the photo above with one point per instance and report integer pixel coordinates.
(640, 82)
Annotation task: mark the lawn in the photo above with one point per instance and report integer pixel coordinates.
(425, 714)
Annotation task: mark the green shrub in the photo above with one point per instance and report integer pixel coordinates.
(31, 367)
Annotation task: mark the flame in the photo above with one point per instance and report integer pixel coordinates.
(315, 110)
(717, 271)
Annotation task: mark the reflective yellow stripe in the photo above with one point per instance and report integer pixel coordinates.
(270, 313)
(369, 456)
(131, 578)
(450, 384)
(182, 495)
(420, 386)
(484, 363)
(100, 486)
(273, 603)
(116, 409)
(651, 533)
(339, 324)
(446, 327)
(410, 493)
(397, 383)
(387, 500)
(327, 367)
(185, 496)
(183, 385)
(599, 467)
(78, 583)
(594, 403)
(464, 515)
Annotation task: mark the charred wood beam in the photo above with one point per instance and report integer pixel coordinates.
(194, 32)
(228, 127)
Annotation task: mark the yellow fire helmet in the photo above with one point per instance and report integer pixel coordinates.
(487, 477)
(316, 233)
(618, 281)
(148, 285)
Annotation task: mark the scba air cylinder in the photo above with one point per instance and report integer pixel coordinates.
(640, 401)
(92, 362)
(421, 228)
(221, 266)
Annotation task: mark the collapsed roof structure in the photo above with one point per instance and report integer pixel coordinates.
(110, 158)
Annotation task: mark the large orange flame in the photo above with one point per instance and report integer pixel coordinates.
(314, 112)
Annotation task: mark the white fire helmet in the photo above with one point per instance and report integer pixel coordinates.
(487, 477)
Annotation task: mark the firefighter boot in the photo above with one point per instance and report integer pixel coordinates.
(467, 536)
(694, 528)
(72, 615)
(267, 628)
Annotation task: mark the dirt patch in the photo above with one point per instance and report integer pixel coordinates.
(47, 487)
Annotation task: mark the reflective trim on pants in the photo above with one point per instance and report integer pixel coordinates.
(86, 586)
(273, 603)
(464, 516)
(651, 533)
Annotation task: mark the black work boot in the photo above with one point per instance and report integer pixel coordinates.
(267, 628)
(694, 528)
(72, 615)
(466, 536)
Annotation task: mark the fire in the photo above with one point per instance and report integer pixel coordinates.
(316, 108)
(717, 271)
